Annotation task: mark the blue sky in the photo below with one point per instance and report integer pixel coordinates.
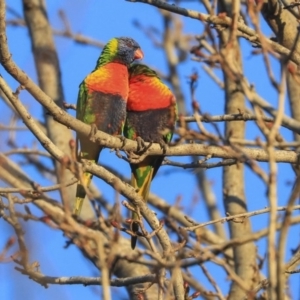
(103, 20)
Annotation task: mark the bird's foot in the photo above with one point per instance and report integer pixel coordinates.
(93, 132)
(135, 158)
(118, 153)
(123, 140)
(163, 146)
(140, 154)
(141, 145)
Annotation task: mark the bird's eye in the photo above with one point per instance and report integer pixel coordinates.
(129, 44)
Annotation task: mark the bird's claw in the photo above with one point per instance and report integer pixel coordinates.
(93, 132)
(118, 153)
(140, 144)
(133, 157)
(122, 139)
(163, 146)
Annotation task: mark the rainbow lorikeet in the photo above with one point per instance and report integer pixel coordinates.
(102, 101)
(151, 116)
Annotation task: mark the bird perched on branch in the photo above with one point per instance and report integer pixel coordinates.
(151, 116)
(102, 101)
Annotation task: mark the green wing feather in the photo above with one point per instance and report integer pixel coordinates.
(81, 101)
(89, 151)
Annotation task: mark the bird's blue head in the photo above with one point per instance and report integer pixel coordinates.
(123, 50)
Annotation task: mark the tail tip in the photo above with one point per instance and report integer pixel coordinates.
(133, 242)
(134, 229)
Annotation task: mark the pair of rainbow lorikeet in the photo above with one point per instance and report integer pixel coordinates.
(120, 96)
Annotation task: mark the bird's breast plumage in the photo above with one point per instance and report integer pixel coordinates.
(103, 96)
(148, 93)
(111, 78)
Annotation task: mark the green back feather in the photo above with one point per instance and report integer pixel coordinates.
(140, 69)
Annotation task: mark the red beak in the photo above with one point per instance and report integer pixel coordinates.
(138, 54)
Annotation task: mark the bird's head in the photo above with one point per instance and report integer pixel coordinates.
(123, 50)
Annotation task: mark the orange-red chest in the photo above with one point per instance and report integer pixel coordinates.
(146, 93)
(111, 78)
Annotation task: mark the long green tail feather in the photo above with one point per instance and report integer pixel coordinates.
(141, 178)
(81, 192)
(90, 152)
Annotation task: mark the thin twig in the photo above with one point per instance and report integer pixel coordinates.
(222, 21)
(38, 190)
(272, 194)
(240, 216)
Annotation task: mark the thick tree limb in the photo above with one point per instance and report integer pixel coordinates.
(117, 143)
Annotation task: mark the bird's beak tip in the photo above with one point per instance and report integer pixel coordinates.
(138, 54)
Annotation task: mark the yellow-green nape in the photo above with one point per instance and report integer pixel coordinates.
(112, 46)
(109, 51)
